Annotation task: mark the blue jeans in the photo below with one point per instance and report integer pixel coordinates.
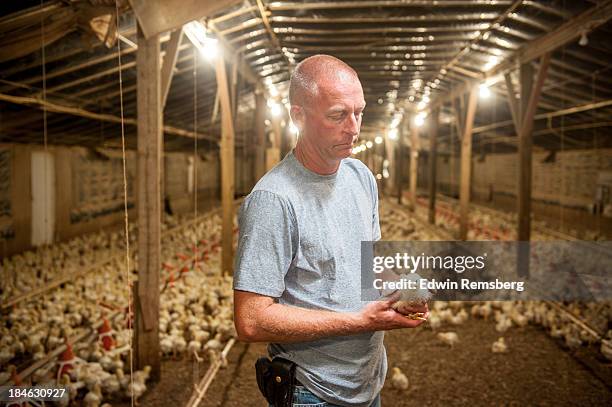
(302, 397)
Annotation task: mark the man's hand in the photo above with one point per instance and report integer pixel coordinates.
(379, 316)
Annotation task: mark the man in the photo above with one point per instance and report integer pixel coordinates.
(297, 283)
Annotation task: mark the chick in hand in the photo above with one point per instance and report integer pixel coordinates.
(411, 299)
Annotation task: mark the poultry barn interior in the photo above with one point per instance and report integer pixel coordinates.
(131, 132)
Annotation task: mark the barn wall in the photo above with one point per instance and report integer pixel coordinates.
(447, 173)
(15, 198)
(570, 179)
(89, 189)
(182, 172)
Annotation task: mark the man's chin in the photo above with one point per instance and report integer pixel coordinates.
(344, 152)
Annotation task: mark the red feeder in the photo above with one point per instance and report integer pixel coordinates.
(66, 360)
(105, 333)
(171, 279)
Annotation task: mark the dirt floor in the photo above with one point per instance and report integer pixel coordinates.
(535, 371)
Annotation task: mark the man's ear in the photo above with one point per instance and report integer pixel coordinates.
(297, 116)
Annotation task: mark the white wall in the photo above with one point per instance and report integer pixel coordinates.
(43, 197)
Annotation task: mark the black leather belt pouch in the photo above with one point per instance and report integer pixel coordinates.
(276, 380)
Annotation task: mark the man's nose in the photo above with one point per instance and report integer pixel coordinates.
(352, 125)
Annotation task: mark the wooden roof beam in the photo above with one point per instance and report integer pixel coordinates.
(566, 33)
(57, 108)
(158, 16)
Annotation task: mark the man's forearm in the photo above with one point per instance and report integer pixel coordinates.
(284, 323)
(259, 318)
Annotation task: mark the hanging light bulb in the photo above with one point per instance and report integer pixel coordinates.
(484, 91)
(369, 144)
(584, 40)
(419, 119)
(196, 32)
(392, 134)
(378, 140)
(275, 109)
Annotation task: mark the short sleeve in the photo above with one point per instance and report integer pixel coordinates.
(376, 235)
(265, 245)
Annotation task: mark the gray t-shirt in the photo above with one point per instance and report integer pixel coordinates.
(300, 241)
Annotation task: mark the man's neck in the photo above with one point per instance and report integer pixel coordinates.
(312, 159)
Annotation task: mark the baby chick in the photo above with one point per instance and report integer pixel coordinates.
(449, 338)
(499, 346)
(411, 298)
(399, 380)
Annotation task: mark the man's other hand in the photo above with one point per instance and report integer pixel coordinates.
(379, 316)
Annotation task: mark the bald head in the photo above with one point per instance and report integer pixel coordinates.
(315, 72)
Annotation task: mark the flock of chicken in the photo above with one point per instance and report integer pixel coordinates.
(509, 315)
(558, 322)
(79, 334)
(94, 309)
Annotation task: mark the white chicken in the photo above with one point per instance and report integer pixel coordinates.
(503, 324)
(499, 346)
(194, 346)
(518, 318)
(399, 380)
(111, 384)
(460, 317)
(166, 345)
(94, 397)
(434, 321)
(449, 338)
(409, 299)
(137, 387)
(606, 348)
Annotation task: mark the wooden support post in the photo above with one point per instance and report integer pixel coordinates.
(379, 167)
(530, 96)
(260, 134)
(21, 200)
(150, 124)
(172, 51)
(459, 107)
(390, 150)
(524, 155)
(167, 72)
(433, 136)
(234, 90)
(514, 108)
(414, 164)
(273, 153)
(227, 168)
(400, 165)
(466, 164)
